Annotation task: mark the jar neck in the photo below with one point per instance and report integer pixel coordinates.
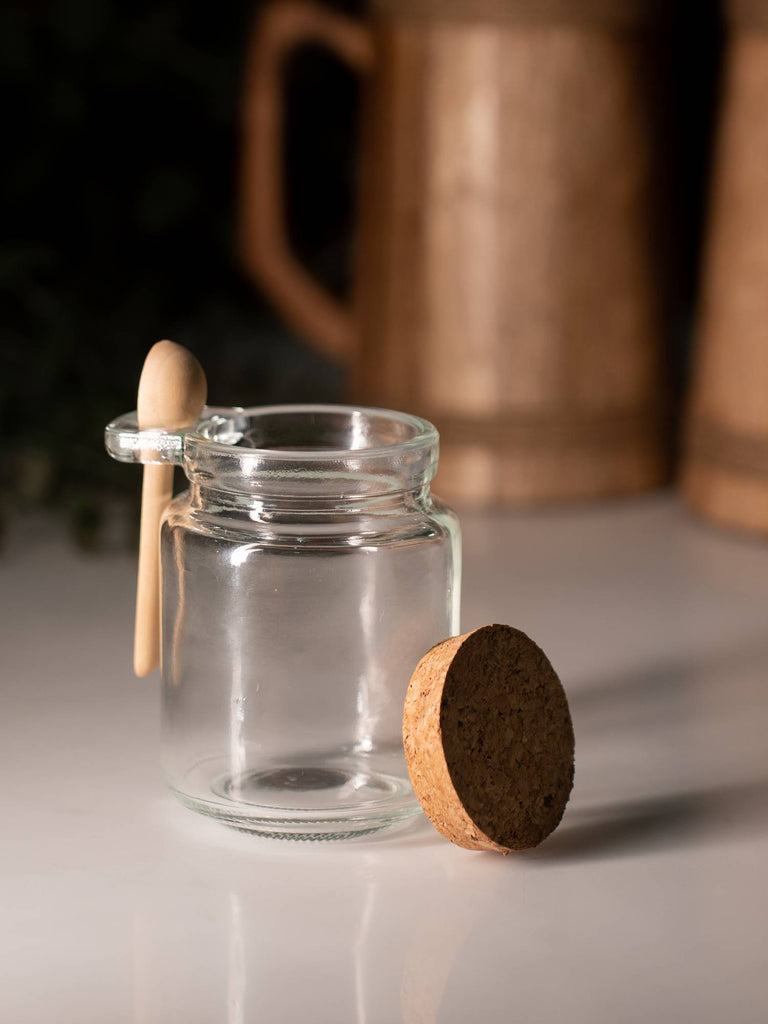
(207, 498)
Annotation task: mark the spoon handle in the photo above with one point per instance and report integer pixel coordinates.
(156, 493)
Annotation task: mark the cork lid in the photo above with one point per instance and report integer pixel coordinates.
(489, 740)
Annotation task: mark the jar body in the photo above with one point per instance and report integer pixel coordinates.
(288, 644)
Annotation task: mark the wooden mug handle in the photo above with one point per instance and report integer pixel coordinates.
(264, 246)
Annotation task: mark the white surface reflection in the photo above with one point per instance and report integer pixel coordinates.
(237, 969)
(299, 934)
(360, 947)
(121, 906)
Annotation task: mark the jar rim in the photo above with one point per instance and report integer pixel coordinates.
(299, 454)
(212, 427)
(290, 452)
(216, 434)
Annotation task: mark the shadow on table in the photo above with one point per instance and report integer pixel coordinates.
(664, 822)
(654, 710)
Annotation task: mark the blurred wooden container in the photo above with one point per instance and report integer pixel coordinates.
(725, 472)
(508, 283)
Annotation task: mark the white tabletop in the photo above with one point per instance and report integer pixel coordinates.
(647, 904)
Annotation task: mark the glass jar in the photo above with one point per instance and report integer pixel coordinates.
(304, 573)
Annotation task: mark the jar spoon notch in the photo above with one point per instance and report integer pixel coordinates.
(172, 394)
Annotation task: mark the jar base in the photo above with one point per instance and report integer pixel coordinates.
(301, 802)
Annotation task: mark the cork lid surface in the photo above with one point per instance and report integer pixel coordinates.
(489, 740)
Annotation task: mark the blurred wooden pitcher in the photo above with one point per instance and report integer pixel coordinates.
(507, 286)
(725, 473)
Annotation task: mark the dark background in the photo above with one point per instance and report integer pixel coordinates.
(119, 189)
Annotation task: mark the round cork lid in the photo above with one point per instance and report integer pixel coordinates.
(489, 740)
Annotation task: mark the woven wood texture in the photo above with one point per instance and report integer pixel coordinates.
(726, 471)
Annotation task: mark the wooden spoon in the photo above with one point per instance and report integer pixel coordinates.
(172, 392)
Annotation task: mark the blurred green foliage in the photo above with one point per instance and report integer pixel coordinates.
(119, 188)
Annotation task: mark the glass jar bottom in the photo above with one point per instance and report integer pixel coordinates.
(299, 801)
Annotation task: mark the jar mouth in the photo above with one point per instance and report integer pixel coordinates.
(294, 453)
(310, 433)
(300, 455)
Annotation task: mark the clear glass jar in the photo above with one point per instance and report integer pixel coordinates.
(304, 573)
